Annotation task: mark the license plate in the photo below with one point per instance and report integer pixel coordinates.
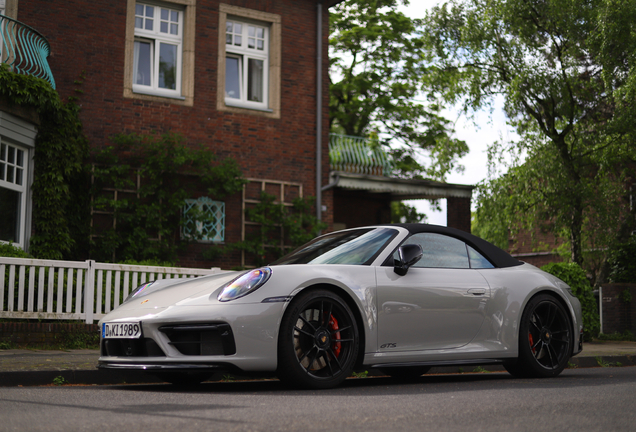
(121, 330)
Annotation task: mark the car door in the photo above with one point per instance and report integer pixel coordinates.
(439, 304)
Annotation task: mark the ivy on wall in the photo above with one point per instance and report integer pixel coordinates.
(153, 176)
(60, 151)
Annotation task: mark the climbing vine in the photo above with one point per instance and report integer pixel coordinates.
(278, 229)
(139, 187)
(60, 151)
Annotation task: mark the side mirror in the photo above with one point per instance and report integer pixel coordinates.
(408, 255)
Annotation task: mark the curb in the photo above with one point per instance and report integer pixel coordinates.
(115, 377)
(78, 377)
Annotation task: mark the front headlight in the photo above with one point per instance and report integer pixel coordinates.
(245, 284)
(137, 291)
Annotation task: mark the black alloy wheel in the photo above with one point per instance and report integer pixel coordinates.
(318, 341)
(545, 339)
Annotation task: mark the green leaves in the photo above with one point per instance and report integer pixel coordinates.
(378, 86)
(60, 149)
(565, 69)
(153, 176)
(277, 229)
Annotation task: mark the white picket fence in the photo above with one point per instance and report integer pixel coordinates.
(74, 290)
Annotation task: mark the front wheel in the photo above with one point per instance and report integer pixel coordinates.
(545, 339)
(318, 341)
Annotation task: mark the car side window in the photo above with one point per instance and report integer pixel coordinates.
(441, 251)
(477, 260)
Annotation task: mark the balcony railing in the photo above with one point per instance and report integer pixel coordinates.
(358, 155)
(24, 49)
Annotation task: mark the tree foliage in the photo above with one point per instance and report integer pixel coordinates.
(377, 63)
(564, 69)
(403, 213)
(622, 263)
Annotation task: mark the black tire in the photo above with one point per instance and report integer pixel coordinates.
(406, 373)
(545, 339)
(318, 341)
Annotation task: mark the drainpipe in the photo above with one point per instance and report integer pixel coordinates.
(319, 113)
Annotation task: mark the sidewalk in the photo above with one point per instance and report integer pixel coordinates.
(41, 367)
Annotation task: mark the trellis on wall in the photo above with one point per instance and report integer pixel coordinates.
(283, 192)
(107, 218)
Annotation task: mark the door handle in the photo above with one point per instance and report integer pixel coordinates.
(477, 292)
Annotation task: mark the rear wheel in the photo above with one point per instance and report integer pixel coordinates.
(545, 339)
(318, 341)
(406, 373)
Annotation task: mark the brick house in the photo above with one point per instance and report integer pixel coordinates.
(245, 78)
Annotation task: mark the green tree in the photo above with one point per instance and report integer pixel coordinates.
(377, 63)
(403, 213)
(564, 69)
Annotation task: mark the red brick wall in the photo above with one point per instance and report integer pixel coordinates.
(539, 259)
(87, 38)
(458, 213)
(618, 315)
(359, 208)
(534, 247)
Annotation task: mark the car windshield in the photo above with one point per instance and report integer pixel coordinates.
(355, 247)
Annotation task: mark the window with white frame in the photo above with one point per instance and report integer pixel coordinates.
(158, 50)
(13, 187)
(204, 219)
(246, 64)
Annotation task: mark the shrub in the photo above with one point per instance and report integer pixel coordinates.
(573, 275)
(8, 250)
(622, 263)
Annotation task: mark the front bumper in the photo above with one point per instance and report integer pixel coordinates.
(241, 336)
(580, 347)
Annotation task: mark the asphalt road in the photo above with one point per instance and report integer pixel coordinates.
(579, 400)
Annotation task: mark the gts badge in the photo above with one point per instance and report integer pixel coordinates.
(388, 345)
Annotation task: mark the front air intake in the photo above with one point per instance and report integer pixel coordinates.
(201, 339)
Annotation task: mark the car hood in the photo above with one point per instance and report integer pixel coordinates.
(284, 282)
(168, 292)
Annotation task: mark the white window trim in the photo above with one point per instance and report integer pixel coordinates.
(155, 38)
(273, 21)
(186, 56)
(244, 54)
(22, 190)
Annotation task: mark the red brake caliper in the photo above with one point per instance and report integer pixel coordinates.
(531, 339)
(336, 346)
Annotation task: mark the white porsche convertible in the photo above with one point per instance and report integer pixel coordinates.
(401, 298)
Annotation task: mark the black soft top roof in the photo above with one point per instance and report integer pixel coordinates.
(498, 257)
